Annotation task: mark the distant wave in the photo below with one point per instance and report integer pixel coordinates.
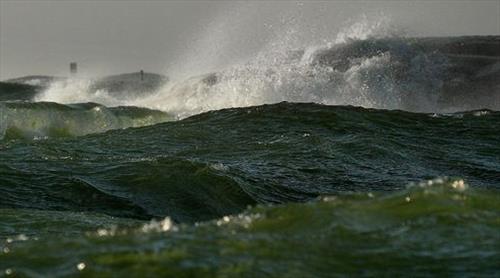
(45, 119)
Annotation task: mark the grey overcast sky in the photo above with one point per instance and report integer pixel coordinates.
(107, 37)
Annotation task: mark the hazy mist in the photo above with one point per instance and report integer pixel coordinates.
(107, 37)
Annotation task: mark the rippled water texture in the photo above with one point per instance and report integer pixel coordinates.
(229, 181)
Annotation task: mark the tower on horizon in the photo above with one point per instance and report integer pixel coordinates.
(73, 68)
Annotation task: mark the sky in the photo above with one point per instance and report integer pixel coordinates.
(188, 37)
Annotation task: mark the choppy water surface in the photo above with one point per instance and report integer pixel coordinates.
(275, 190)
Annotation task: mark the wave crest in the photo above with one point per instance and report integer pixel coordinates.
(45, 119)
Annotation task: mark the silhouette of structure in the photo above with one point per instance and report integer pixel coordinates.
(73, 68)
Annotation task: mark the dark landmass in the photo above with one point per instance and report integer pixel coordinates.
(25, 88)
(14, 91)
(42, 81)
(130, 82)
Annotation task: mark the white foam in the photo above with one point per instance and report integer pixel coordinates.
(279, 73)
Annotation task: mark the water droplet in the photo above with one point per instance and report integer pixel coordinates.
(166, 224)
(459, 185)
(81, 266)
(22, 237)
(102, 232)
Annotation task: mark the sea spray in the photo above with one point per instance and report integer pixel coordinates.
(367, 64)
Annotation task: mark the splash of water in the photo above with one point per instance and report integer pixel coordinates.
(279, 72)
(82, 90)
(368, 27)
(364, 64)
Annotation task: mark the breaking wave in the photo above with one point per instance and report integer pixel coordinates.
(367, 64)
(46, 119)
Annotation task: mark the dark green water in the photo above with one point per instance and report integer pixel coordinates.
(284, 190)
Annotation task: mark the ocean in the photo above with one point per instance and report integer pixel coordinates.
(374, 157)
